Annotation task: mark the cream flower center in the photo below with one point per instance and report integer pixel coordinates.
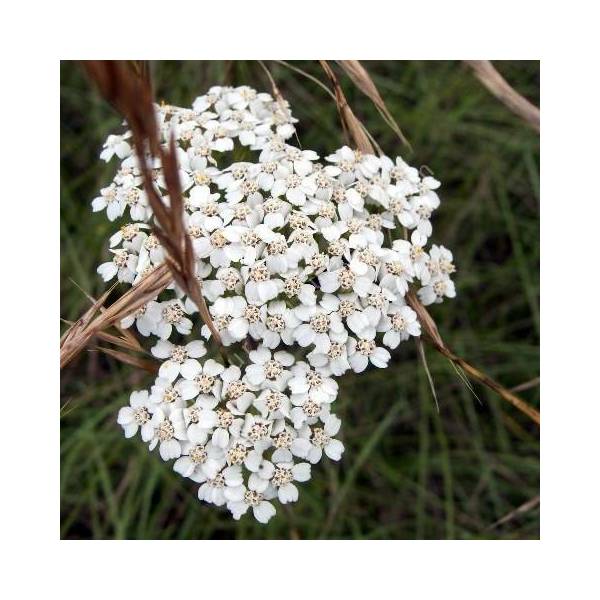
(204, 382)
(172, 313)
(120, 258)
(222, 321)
(258, 432)
(314, 379)
(259, 273)
(283, 440)
(319, 438)
(365, 347)
(311, 408)
(275, 323)
(293, 181)
(273, 369)
(335, 350)
(273, 400)
(398, 322)
(171, 395)
(229, 278)
(282, 476)
(225, 418)
(198, 455)
(346, 278)
(252, 314)
(236, 389)
(292, 286)
(217, 239)
(179, 354)
(347, 308)
(165, 431)
(252, 498)
(141, 415)
(129, 231)
(237, 454)
(320, 323)
(272, 205)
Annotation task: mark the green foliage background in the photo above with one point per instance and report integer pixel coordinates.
(409, 471)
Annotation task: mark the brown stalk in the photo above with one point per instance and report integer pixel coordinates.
(276, 93)
(521, 510)
(485, 71)
(132, 96)
(353, 128)
(83, 321)
(432, 335)
(130, 359)
(76, 338)
(119, 341)
(363, 81)
(126, 338)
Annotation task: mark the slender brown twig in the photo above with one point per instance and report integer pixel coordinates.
(432, 335)
(485, 71)
(363, 81)
(521, 510)
(76, 338)
(353, 128)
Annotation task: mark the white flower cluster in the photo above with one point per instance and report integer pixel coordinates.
(292, 253)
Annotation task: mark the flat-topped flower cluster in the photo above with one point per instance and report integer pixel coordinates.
(305, 266)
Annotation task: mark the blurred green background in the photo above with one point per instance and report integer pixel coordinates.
(408, 472)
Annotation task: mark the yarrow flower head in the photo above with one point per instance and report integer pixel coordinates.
(305, 267)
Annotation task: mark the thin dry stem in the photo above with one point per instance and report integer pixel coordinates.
(363, 81)
(432, 335)
(485, 71)
(521, 510)
(353, 128)
(90, 324)
(151, 366)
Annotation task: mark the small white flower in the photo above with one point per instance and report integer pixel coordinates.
(279, 325)
(111, 201)
(341, 277)
(172, 315)
(116, 144)
(174, 395)
(269, 369)
(321, 324)
(312, 442)
(199, 462)
(146, 318)
(260, 286)
(262, 509)
(169, 431)
(363, 351)
(414, 251)
(399, 324)
(137, 415)
(283, 477)
(436, 290)
(295, 187)
(178, 357)
(213, 490)
(353, 164)
(123, 265)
